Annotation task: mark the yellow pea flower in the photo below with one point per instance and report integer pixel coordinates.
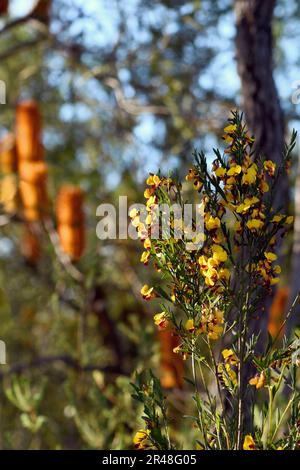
(194, 177)
(140, 439)
(147, 292)
(151, 202)
(257, 214)
(270, 256)
(147, 244)
(215, 331)
(255, 225)
(263, 186)
(232, 375)
(161, 321)
(242, 208)
(212, 263)
(270, 167)
(148, 219)
(153, 180)
(190, 326)
(250, 176)
(228, 375)
(277, 269)
(212, 223)
(202, 261)
(215, 324)
(211, 277)
(145, 257)
(148, 193)
(258, 381)
(234, 170)
(230, 356)
(230, 129)
(224, 274)
(220, 172)
(249, 443)
(277, 218)
(211, 273)
(191, 175)
(247, 204)
(219, 254)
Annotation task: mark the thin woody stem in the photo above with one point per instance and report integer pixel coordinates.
(219, 388)
(194, 373)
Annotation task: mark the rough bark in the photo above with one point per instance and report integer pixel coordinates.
(254, 51)
(295, 259)
(264, 116)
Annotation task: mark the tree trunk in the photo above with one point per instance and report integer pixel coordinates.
(254, 47)
(295, 259)
(264, 117)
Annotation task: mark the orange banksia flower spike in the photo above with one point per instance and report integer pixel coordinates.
(69, 206)
(28, 131)
(31, 165)
(33, 189)
(8, 168)
(70, 221)
(171, 364)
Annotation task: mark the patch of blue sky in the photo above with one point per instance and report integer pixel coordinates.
(75, 111)
(226, 26)
(6, 247)
(221, 75)
(147, 129)
(20, 8)
(101, 28)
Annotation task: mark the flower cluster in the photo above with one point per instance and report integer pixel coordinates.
(212, 268)
(236, 213)
(211, 323)
(227, 370)
(215, 290)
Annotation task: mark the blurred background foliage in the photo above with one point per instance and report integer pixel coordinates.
(124, 88)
